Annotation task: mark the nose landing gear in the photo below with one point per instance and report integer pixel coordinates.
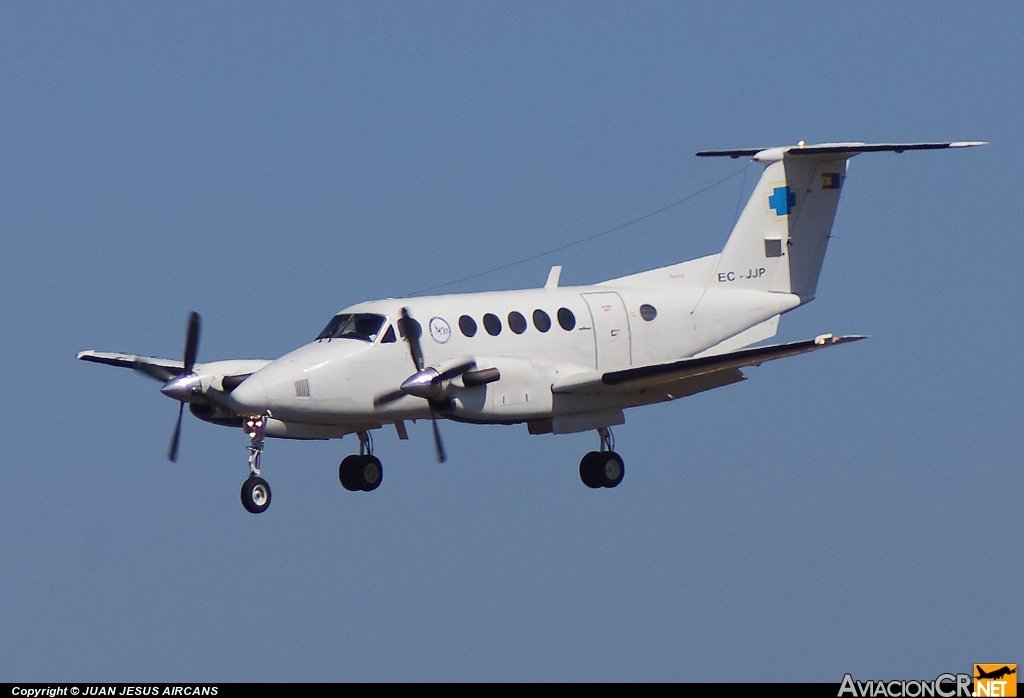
(255, 490)
(362, 473)
(602, 468)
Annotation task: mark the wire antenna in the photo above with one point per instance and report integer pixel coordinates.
(581, 240)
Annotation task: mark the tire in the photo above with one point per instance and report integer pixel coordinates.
(370, 473)
(348, 473)
(589, 473)
(255, 495)
(610, 469)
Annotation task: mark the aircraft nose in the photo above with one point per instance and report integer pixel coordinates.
(250, 397)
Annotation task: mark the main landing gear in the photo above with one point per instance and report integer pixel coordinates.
(255, 490)
(362, 473)
(602, 468)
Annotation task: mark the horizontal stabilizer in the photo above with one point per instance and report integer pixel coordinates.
(771, 154)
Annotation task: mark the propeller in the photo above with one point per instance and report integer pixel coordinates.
(411, 331)
(181, 385)
(429, 383)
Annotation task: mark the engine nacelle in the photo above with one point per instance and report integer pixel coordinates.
(214, 415)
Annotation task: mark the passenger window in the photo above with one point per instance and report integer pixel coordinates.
(541, 320)
(566, 319)
(648, 312)
(467, 325)
(516, 322)
(492, 324)
(389, 336)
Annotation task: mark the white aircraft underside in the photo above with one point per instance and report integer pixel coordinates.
(559, 359)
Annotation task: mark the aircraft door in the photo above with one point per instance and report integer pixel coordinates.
(611, 330)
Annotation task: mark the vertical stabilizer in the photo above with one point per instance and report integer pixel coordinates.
(779, 242)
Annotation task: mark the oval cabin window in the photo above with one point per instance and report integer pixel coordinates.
(566, 319)
(516, 322)
(467, 325)
(541, 320)
(492, 324)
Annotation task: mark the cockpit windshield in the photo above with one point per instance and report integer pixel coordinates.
(364, 326)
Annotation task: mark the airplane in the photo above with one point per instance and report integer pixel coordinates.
(995, 674)
(558, 359)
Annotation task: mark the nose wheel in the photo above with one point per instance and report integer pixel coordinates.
(602, 468)
(255, 490)
(255, 495)
(362, 473)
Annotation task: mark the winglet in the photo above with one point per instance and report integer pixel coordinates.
(553, 276)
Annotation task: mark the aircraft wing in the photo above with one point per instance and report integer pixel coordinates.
(160, 369)
(689, 376)
(164, 370)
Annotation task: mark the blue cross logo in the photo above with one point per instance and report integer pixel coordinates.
(781, 200)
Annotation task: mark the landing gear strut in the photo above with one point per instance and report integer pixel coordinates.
(255, 490)
(362, 473)
(602, 468)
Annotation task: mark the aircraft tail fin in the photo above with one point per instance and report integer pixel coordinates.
(779, 242)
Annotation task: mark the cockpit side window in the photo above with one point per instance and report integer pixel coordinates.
(389, 336)
(364, 326)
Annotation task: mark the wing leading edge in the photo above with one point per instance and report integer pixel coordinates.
(695, 370)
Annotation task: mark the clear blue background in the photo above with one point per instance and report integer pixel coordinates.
(855, 510)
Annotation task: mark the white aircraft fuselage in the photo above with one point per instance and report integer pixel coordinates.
(607, 331)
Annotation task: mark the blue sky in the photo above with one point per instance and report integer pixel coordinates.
(267, 165)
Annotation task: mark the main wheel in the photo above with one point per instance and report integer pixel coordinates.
(255, 495)
(610, 468)
(371, 473)
(348, 473)
(589, 473)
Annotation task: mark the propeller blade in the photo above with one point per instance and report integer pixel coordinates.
(179, 383)
(438, 445)
(385, 398)
(218, 398)
(411, 330)
(191, 341)
(456, 370)
(172, 453)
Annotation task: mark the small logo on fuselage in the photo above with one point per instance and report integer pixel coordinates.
(440, 330)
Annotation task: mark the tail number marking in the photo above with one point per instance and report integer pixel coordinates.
(727, 276)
